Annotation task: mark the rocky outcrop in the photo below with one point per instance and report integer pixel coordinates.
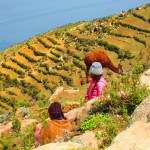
(137, 135)
(24, 124)
(60, 146)
(145, 78)
(4, 117)
(22, 112)
(141, 112)
(87, 139)
(70, 105)
(79, 114)
(55, 94)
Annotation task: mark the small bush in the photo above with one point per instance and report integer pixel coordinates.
(16, 125)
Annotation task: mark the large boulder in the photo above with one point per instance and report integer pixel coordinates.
(145, 78)
(141, 112)
(70, 105)
(79, 114)
(24, 124)
(55, 94)
(137, 137)
(87, 139)
(60, 146)
(22, 112)
(5, 116)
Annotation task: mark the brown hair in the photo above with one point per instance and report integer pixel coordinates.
(96, 79)
(55, 111)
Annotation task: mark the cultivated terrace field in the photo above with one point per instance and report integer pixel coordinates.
(31, 71)
(36, 67)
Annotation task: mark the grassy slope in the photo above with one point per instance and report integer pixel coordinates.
(47, 48)
(57, 43)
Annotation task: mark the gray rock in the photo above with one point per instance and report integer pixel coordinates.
(60, 146)
(137, 137)
(4, 117)
(141, 112)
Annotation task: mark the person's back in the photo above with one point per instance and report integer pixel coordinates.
(54, 131)
(57, 129)
(98, 83)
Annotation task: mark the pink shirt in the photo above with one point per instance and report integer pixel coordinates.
(98, 90)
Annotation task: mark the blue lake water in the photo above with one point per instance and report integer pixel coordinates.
(22, 19)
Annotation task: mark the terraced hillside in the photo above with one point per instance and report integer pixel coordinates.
(31, 70)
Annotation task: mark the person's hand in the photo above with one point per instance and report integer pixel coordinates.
(35, 128)
(86, 98)
(36, 131)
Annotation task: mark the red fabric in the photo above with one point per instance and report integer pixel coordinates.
(98, 90)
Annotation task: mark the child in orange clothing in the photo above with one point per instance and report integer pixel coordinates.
(55, 129)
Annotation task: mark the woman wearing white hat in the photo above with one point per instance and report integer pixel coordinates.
(98, 83)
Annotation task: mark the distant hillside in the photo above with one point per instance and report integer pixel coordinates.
(32, 70)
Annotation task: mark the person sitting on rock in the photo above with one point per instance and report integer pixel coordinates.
(57, 129)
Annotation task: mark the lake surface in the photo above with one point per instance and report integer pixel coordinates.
(22, 19)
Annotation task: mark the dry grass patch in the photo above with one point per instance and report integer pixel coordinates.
(143, 12)
(113, 57)
(101, 48)
(14, 65)
(125, 43)
(9, 72)
(49, 62)
(18, 95)
(54, 79)
(132, 33)
(30, 53)
(143, 37)
(134, 21)
(22, 60)
(32, 81)
(6, 94)
(52, 36)
(4, 106)
(126, 31)
(76, 78)
(40, 47)
(48, 42)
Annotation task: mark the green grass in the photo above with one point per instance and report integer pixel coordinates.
(81, 35)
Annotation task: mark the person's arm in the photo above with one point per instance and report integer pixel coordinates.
(86, 98)
(100, 88)
(88, 92)
(36, 131)
(41, 135)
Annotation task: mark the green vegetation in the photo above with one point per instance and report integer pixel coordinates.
(27, 57)
(55, 58)
(134, 28)
(16, 125)
(121, 53)
(113, 110)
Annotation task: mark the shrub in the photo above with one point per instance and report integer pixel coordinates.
(16, 125)
(95, 120)
(125, 94)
